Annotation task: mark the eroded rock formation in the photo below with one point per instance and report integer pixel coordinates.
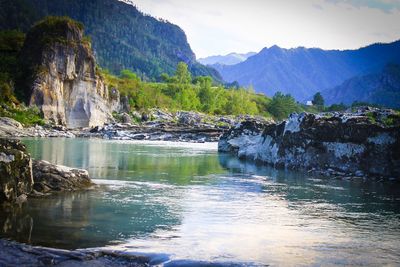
(365, 143)
(15, 170)
(62, 77)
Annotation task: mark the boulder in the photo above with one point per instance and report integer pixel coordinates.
(125, 118)
(349, 143)
(54, 178)
(189, 118)
(15, 170)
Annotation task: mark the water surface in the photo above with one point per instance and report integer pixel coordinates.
(189, 202)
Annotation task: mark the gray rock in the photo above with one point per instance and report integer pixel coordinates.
(346, 143)
(15, 170)
(16, 254)
(68, 89)
(125, 118)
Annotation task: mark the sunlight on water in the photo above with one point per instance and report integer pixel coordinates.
(191, 203)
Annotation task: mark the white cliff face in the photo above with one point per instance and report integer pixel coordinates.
(355, 146)
(67, 88)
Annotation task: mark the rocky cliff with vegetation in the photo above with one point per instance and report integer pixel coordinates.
(362, 143)
(123, 37)
(59, 75)
(381, 88)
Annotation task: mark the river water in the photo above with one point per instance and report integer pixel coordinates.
(187, 202)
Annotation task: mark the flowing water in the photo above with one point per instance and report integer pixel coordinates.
(187, 202)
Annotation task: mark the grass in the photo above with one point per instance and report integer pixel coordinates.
(26, 116)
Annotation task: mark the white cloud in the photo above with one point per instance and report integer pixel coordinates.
(223, 26)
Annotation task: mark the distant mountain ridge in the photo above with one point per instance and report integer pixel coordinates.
(302, 72)
(229, 59)
(381, 88)
(122, 36)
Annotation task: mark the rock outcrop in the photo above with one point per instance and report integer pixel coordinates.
(61, 73)
(15, 170)
(364, 143)
(19, 174)
(53, 178)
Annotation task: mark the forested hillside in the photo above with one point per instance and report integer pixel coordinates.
(381, 88)
(123, 37)
(302, 72)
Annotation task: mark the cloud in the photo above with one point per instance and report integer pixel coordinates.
(223, 26)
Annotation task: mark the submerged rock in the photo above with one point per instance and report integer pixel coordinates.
(349, 143)
(54, 178)
(15, 170)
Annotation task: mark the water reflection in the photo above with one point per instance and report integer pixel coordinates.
(194, 204)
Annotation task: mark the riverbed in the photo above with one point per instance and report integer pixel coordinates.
(184, 201)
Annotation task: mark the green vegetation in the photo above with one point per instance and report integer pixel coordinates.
(123, 37)
(26, 116)
(181, 92)
(318, 100)
(282, 105)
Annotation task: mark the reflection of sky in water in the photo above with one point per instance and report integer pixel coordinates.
(192, 203)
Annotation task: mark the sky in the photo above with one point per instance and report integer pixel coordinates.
(218, 27)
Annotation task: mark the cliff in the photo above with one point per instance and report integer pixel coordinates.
(123, 37)
(364, 143)
(59, 75)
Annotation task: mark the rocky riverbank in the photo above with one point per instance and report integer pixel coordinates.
(362, 143)
(21, 177)
(17, 254)
(154, 125)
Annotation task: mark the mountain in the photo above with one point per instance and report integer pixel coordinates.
(229, 59)
(302, 72)
(381, 88)
(122, 36)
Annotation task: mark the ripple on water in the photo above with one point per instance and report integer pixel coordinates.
(186, 205)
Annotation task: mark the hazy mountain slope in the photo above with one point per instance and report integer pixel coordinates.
(229, 59)
(302, 72)
(381, 88)
(122, 36)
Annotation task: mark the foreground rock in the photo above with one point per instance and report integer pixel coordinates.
(54, 178)
(16, 254)
(18, 175)
(15, 171)
(363, 143)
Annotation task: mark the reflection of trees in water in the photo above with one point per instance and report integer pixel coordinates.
(15, 223)
(299, 188)
(41, 221)
(87, 219)
(121, 161)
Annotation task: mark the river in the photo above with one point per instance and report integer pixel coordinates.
(182, 201)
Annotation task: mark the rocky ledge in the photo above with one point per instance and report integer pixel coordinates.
(16, 254)
(20, 176)
(360, 143)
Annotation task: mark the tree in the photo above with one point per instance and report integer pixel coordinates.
(182, 73)
(282, 105)
(206, 95)
(318, 100)
(127, 74)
